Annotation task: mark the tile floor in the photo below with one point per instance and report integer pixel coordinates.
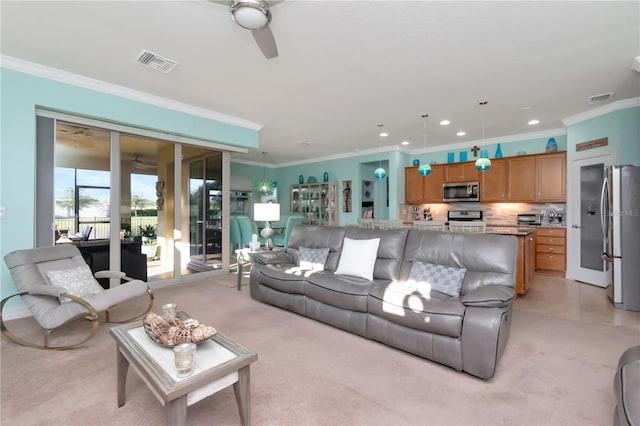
(574, 300)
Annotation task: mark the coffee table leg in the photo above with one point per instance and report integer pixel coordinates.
(242, 389)
(122, 368)
(176, 411)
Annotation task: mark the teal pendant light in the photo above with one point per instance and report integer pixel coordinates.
(380, 173)
(483, 164)
(424, 168)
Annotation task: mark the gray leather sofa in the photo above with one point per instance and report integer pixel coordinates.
(626, 386)
(468, 332)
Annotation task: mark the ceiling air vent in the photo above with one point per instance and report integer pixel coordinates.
(606, 97)
(157, 62)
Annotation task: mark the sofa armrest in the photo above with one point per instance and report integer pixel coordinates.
(490, 296)
(273, 258)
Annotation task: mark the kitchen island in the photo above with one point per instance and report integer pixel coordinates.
(526, 252)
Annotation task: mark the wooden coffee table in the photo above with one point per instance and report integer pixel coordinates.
(220, 362)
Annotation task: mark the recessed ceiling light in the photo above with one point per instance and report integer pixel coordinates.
(445, 122)
(533, 122)
(384, 134)
(461, 133)
(405, 143)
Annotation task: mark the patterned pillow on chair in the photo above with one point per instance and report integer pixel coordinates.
(445, 279)
(77, 281)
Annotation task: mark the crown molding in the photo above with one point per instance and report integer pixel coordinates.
(492, 141)
(55, 74)
(605, 109)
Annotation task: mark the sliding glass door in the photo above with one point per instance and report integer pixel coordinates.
(205, 212)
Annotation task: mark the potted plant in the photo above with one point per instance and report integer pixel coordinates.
(149, 241)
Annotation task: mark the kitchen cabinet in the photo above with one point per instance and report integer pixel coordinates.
(413, 186)
(526, 262)
(493, 183)
(461, 172)
(551, 177)
(551, 251)
(521, 179)
(432, 185)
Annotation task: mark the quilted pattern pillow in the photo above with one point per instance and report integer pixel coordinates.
(445, 279)
(77, 281)
(312, 259)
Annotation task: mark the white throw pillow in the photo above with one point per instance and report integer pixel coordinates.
(358, 257)
(445, 279)
(313, 259)
(77, 281)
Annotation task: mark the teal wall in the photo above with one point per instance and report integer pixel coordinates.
(22, 93)
(622, 128)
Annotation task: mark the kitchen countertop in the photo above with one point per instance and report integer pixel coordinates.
(518, 231)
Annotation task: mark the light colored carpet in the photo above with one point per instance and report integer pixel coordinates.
(554, 372)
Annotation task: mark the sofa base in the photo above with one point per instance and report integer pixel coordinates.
(441, 349)
(355, 322)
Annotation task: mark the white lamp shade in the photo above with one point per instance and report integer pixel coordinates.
(266, 212)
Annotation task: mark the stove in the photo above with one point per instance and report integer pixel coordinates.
(464, 215)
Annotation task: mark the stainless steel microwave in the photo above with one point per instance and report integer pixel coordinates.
(461, 191)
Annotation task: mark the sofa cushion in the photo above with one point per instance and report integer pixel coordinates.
(341, 291)
(313, 259)
(490, 259)
(358, 258)
(445, 279)
(415, 306)
(313, 236)
(390, 250)
(287, 278)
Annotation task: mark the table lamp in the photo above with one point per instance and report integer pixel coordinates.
(267, 212)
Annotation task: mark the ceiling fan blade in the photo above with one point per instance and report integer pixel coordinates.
(266, 42)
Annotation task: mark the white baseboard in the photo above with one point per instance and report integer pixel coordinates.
(15, 313)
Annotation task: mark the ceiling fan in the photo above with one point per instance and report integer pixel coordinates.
(79, 136)
(137, 163)
(255, 15)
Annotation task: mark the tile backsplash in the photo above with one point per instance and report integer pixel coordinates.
(492, 213)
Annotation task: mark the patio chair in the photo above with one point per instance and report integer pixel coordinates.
(56, 285)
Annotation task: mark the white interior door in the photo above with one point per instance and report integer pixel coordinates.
(585, 242)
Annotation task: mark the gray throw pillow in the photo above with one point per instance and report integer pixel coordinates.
(445, 279)
(312, 259)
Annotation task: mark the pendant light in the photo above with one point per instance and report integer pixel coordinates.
(483, 164)
(380, 173)
(264, 186)
(424, 168)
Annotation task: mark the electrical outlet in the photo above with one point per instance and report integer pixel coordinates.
(2, 212)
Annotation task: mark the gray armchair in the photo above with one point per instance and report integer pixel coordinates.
(39, 276)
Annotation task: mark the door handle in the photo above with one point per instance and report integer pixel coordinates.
(575, 226)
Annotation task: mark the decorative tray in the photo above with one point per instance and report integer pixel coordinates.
(171, 332)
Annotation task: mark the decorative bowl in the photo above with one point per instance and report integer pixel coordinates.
(170, 332)
(312, 179)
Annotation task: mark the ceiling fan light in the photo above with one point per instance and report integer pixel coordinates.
(251, 14)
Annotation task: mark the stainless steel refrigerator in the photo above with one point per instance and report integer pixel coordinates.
(620, 219)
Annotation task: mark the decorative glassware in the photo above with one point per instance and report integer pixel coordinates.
(325, 177)
(463, 155)
(301, 179)
(451, 157)
(185, 356)
(169, 310)
(552, 146)
(499, 152)
(416, 162)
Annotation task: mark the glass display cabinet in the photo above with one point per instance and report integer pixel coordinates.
(318, 202)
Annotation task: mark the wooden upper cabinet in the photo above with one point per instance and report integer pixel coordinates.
(493, 182)
(521, 181)
(461, 172)
(432, 185)
(551, 171)
(413, 186)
